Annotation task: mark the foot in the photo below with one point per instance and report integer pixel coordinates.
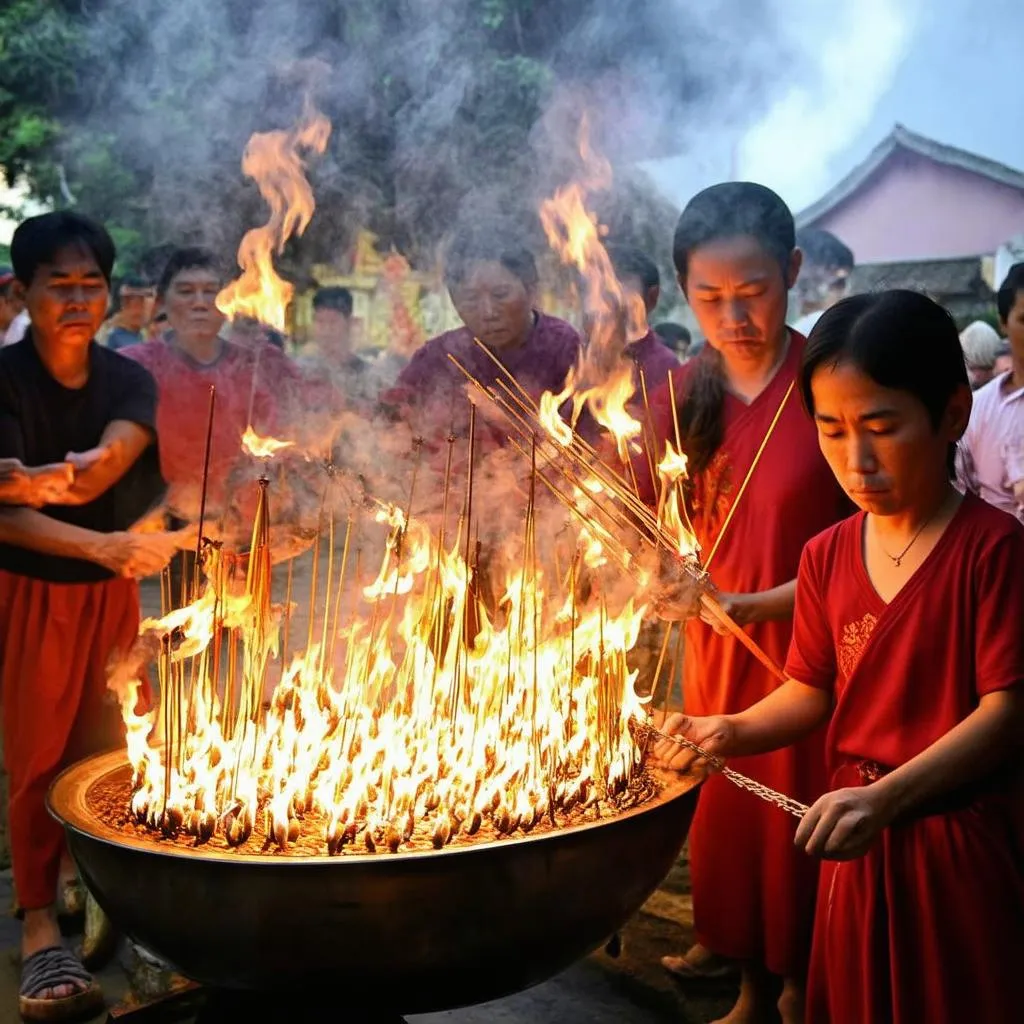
(792, 1002)
(756, 1002)
(40, 931)
(698, 963)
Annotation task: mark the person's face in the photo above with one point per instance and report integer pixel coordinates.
(495, 305)
(136, 309)
(880, 442)
(1013, 326)
(191, 305)
(67, 299)
(332, 332)
(739, 296)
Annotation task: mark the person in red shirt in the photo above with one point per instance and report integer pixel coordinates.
(80, 473)
(256, 386)
(753, 895)
(908, 643)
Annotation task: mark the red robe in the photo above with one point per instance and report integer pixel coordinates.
(753, 892)
(929, 924)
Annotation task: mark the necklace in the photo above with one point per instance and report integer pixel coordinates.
(897, 560)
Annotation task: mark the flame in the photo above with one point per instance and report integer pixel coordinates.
(274, 160)
(604, 378)
(262, 447)
(417, 731)
(671, 508)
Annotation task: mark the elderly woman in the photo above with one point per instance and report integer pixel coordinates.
(493, 285)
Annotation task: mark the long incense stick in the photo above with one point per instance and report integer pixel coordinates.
(750, 472)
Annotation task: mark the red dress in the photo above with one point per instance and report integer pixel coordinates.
(753, 892)
(929, 924)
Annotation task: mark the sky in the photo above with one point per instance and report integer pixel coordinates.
(952, 70)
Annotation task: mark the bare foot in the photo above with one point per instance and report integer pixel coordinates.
(755, 1004)
(39, 930)
(792, 1002)
(699, 963)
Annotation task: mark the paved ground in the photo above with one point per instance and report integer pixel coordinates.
(599, 990)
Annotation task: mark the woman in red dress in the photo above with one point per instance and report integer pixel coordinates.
(753, 895)
(908, 640)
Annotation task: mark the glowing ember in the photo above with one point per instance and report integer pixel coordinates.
(263, 447)
(275, 161)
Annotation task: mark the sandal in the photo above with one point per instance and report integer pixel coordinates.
(699, 964)
(51, 968)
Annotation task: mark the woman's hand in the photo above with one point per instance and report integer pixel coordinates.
(845, 823)
(713, 734)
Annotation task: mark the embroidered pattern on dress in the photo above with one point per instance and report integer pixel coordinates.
(713, 494)
(854, 639)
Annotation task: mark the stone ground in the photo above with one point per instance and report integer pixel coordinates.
(632, 989)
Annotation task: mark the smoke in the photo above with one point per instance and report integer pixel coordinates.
(854, 56)
(434, 105)
(821, 70)
(443, 112)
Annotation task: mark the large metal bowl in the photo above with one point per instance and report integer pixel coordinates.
(409, 933)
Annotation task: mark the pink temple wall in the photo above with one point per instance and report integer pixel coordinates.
(914, 209)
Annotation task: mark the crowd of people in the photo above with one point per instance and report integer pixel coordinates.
(860, 511)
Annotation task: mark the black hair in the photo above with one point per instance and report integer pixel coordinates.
(900, 339)
(190, 258)
(628, 261)
(1007, 294)
(491, 246)
(676, 336)
(732, 209)
(823, 249)
(135, 281)
(339, 299)
(38, 240)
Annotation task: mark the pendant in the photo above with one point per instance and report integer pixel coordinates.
(898, 561)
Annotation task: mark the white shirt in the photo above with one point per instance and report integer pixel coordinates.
(990, 459)
(16, 330)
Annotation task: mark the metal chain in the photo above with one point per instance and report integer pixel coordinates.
(788, 804)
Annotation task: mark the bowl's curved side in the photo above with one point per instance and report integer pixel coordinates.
(404, 933)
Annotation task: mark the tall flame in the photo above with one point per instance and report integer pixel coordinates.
(274, 160)
(604, 378)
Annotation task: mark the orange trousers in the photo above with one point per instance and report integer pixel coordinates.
(56, 640)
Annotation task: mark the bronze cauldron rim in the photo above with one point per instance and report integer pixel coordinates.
(67, 802)
(420, 931)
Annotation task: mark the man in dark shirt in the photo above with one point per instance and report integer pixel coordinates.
(78, 470)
